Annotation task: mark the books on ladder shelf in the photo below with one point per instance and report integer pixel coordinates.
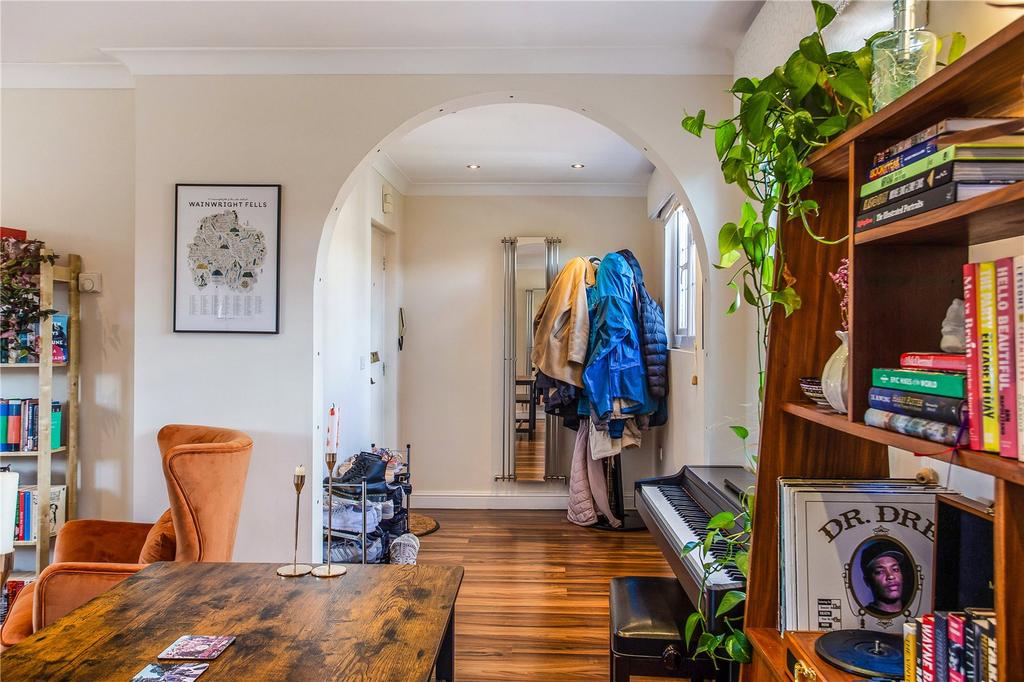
(19, 424)
(940, 166)
(26, 519)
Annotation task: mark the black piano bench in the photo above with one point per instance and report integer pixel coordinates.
(647, 620)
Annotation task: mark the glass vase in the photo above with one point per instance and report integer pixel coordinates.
(901, 60)
(835, 375)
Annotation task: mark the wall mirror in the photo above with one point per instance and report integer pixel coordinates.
(529, 439)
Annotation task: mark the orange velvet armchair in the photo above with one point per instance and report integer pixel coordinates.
(205, 468)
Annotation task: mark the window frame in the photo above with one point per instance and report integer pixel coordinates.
(681, 279)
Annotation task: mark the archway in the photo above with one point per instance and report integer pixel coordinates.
(351, 186)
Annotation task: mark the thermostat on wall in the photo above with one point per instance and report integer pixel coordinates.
(90, 282)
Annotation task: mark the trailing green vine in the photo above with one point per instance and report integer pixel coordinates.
(19, 284)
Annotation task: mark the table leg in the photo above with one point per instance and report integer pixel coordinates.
(444, 669)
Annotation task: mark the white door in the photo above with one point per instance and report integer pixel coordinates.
(378, 303)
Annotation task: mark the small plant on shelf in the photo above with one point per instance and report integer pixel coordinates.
(19, 302)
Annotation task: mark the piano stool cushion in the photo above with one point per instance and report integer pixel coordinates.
(647, 614)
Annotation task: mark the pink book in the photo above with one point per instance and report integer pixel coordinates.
(973, 368)
(1006, 358)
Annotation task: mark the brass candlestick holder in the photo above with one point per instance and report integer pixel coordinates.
(328, 570)
(295, 569)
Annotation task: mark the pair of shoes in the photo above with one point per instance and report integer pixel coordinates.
(404, 549)
(369, 467)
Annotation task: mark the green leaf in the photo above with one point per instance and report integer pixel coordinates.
(851, 84)
(740, 431)
(752, 115)
(833, 125)
(723, 519)
(737, 646)
(957, 44)
(728, 260)
(731, 599)
(742, 560)
(823, 14)
(747, 215)
(725, 135)
(694, 124)
(728, 238)
(689, 547)
(863, 59)
(749, 295)
(691, 624)
(812, 48)
(802, 73)
(743, 86)
(788, 298)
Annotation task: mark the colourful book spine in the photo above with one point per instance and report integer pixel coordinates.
(1018, 298)
(902, 160)
(3, 425)
(941, 638)
(920, 166)
(989, 382)
(17, 518)
(909, 650)
(928, 648)
(956, 647)
(920, 381)
(14, 425)
(1006, 360)
(929, 429)
(946, 362)
(945, 410)
(973, 365)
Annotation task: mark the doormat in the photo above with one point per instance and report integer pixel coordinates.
(421, 524)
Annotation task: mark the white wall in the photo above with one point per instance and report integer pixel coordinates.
(67, 167)
(450, 403)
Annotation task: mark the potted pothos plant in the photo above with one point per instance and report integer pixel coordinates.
(782, 119)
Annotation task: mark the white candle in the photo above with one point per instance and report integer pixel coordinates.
(333, 429)
(300, 470)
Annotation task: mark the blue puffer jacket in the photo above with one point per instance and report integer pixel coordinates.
(615, 366)
(653, 338)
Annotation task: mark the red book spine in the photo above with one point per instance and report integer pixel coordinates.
(973, 367)
(946, 362)
(956, 644)
(928, 647)
(1006, 361)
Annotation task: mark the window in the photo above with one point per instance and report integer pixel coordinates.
(682, 279)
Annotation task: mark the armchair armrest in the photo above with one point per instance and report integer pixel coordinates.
(62, 588)
(101, 541)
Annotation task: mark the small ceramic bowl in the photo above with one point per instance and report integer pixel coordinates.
(811, 386)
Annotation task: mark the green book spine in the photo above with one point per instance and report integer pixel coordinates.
(926, 164)
(56, 425)
(932, 383)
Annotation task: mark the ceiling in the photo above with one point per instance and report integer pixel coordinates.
(583, 36)
(520, 148)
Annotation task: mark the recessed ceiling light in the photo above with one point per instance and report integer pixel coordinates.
(577, 166)
(473, 166)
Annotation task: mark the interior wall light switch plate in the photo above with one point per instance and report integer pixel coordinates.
(90, 282)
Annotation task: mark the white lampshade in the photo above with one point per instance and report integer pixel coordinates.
(8, 509)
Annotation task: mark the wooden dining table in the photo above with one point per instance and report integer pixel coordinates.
(376, 622)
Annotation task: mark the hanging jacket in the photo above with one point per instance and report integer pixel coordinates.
(615, 366)
(561, 328)
(653, 338)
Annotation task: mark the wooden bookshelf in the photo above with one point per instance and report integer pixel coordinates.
(41, 461)
(903, 276)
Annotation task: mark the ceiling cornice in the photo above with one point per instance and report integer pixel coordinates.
(529, 189)
(463, 60)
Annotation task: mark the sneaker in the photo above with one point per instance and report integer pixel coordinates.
(404, 549)
(365, 465)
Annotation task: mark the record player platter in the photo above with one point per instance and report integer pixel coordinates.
(864, 652)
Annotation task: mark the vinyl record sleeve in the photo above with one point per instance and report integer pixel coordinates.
(855, 554)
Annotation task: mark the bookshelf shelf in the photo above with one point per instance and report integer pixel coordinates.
(903, 277)
(989, 217)
(55, 451)
(28, 365)
(985, 462)
(30, 543)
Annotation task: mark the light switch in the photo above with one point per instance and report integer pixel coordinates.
(362, 362)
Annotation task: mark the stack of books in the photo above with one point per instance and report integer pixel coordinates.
(951, 646)
(932, 169)
(925, 397)
(994, 324)
(11, 353)
(19, 424)
(26, 519)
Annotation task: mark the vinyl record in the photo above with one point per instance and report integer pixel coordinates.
(864, 652)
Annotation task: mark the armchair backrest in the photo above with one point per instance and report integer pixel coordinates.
(205, 468)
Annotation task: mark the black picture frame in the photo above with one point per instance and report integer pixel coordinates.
(177, 325)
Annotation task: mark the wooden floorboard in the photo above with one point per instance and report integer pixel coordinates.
(534, 600)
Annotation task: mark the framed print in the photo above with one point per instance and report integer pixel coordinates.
(227, 258)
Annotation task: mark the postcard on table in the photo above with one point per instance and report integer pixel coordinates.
(167, 672)
(198, 647)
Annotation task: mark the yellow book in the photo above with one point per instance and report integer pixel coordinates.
(989, 382)
(910, 650)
